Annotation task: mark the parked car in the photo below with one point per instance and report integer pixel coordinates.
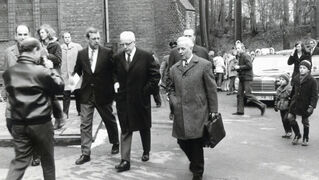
(267, 70)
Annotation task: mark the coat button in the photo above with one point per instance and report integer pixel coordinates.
(92, 85)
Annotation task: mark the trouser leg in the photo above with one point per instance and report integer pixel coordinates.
(232, 83)
(87, 111)
(66, 102)
(294, 124)
(43, 137)
(56, 108)
(157, 96)
(284, 120)
(146, 139)
(240, 97)
(197, 157)
(184, 146)
(126, 143)
(110, 123)
(306, 125)
(251, 97)
(77, 100)
(23, 152)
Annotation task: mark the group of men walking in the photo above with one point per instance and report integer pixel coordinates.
(42, 69)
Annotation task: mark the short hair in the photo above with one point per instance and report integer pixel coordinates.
(28, 44)
(186, 40)
(24, 26)
(90, 30)
(189, 29)
(51, 32)
(65, 33)
(128, 35)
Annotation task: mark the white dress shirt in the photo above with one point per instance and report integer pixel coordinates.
(188, 60)
(131, 54)
(94, 58)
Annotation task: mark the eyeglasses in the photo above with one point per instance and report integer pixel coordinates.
(126, 44)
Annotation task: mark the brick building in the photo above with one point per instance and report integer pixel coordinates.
(155, 22)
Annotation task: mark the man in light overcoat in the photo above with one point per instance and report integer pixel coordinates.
(193, 95)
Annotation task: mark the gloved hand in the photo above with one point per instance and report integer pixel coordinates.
(310, 110)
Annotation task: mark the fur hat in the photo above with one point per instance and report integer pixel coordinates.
(306, 63)
(285, 76)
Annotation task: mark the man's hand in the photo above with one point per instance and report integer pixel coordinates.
(275, 108)
(212, 115)
(47, 63)
(116, 87)
(236, 67)
(310, 110)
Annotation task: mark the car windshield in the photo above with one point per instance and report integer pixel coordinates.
(271, 65)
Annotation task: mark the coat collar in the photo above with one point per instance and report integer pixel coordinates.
(191, 64)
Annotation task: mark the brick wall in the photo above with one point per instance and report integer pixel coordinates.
(154, 22)
(77, 15)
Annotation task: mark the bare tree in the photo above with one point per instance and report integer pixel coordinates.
(253, 25)
(285, 23)
(222, 15)
(230, 14)
(203, 27)
(316, 19)
(238, 19)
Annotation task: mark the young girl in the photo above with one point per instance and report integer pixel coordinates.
(304, 100)
(282, 103)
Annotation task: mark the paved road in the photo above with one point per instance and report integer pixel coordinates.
(252, 150)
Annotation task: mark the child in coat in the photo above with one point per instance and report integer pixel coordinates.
(282, 102)
(304, 100)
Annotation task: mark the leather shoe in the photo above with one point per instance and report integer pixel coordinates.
(145, 157)
(35, 162)
(238, 113)
(83, 159)
(197, 177)
(123, 166)
(115, 149)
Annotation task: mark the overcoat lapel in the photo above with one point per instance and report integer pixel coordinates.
(99, 60)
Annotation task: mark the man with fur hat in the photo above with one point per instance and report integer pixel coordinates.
(304, 100)
(282, 102)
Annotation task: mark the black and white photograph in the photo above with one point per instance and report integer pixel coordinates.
(159, 89)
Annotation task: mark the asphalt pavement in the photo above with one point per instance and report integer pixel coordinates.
(252, 150)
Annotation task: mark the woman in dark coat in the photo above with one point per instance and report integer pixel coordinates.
(304, 100)
(299, 53)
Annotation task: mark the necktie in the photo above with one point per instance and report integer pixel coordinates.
(185, 63)
(128, 61)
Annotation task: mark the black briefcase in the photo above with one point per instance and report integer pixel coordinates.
(214, 131)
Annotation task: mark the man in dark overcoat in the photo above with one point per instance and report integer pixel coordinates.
(193, 94)
(137, 75)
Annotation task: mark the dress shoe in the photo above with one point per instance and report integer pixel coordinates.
(83, 159)
(59, 123)
(115, 149)
(238, 113)
(123, 166)
(197, 177)
(145, 157)
(295, 141)
(287, 135)
(35, 162)
(263, 109)
(305, 142)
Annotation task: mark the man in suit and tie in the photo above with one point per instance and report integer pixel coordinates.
(137, 76)
(94, 64)
(193, 95)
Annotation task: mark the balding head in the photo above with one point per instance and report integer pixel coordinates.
(127, 41)
(22, 32)
(31, 47)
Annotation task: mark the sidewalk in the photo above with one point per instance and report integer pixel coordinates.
(70, 133)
